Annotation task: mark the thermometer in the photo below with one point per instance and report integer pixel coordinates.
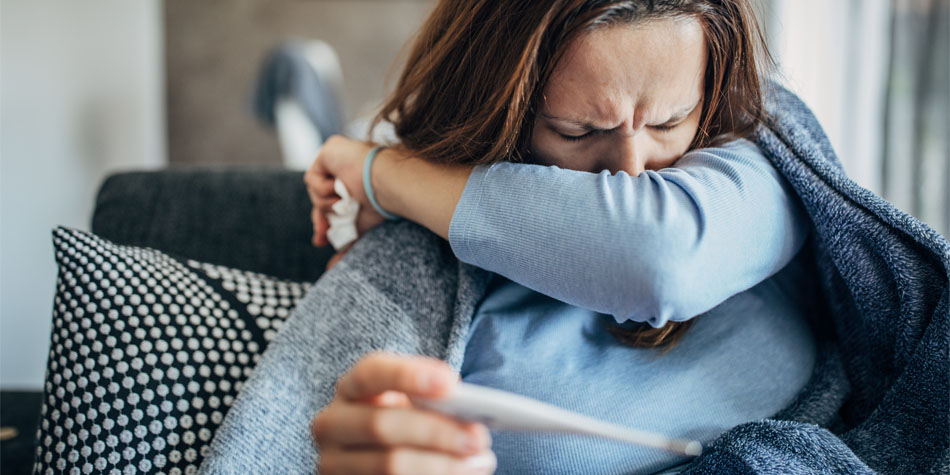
(502, 410)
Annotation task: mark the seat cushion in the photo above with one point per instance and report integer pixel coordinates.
(147, 353)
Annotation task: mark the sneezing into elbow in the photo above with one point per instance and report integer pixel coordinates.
(655, 291)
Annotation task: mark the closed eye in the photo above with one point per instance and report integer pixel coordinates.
(590, 133)
(576, 138)
(664, 127)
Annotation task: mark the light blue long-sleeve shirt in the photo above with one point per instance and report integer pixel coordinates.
(665, 245)
(744, 360)
(701, 238)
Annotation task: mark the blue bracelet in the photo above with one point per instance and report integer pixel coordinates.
(368, 186)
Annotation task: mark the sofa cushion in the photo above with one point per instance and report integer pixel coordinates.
(147, 353)
(256, 219)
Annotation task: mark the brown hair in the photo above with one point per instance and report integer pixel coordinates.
(474, 77)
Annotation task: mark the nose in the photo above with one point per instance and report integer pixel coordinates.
(628, 155)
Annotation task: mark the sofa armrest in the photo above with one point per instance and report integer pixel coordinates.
(256, 219)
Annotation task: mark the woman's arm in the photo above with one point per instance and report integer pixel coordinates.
(420, 191)
(666, 245)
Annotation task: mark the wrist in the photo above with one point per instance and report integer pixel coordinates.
(381, 179)
(370, 188)
(418, 190)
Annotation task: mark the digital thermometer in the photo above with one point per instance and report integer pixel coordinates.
(506, 411)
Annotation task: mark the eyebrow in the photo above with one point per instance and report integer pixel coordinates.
(590, 127)
(682, 114)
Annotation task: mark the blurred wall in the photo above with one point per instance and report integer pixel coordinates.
(837, 61)
(81, 95)
(875, 73)
(214, 49)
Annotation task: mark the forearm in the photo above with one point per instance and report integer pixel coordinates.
(420, 191)
(643, 248)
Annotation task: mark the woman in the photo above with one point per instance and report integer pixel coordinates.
(634, 197)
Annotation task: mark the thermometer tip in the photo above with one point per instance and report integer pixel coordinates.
(693, 448)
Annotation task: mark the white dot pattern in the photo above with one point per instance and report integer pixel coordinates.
(147, 354)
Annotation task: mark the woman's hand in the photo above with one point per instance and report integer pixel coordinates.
(420, 191)
(341, 158)
(372, 427)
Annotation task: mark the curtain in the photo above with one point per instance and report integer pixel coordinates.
(915, 164)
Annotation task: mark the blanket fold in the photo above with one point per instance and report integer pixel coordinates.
(879, 400)
(398, 289)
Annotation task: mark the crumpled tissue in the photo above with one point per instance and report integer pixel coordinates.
(342, 218)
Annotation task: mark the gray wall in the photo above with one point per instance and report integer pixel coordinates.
(214, 49)
(81, 95)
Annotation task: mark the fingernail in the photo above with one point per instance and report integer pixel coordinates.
(480, 461)
(389, 399)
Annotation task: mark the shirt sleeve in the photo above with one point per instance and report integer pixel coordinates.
(663, 246)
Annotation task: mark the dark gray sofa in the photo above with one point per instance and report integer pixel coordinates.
(256, 219)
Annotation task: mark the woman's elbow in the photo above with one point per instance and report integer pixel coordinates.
(656, 294)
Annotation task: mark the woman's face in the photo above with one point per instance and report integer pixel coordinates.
(625, 97)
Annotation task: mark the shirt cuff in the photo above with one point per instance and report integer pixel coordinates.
(466, 216)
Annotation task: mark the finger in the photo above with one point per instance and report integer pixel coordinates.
(323, 225)
(314, 174)
(390, 399)
(320, 226)
(324, 187)
(326, 204)
(312, 194)
(317, 192)
(402, 461)
(317, 168)
(361, 425)
(413, 375)
(311, 172)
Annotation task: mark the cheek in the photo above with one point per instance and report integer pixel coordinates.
(680, 140)
(669, 147)
(690, 129)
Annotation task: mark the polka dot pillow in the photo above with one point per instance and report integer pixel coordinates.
(147, 354)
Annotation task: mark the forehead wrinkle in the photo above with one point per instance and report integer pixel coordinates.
(587, 112)
(590, 87)
(576, 101)
(646, 112)
(580, 72)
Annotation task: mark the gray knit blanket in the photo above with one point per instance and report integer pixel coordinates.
(879, 399)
